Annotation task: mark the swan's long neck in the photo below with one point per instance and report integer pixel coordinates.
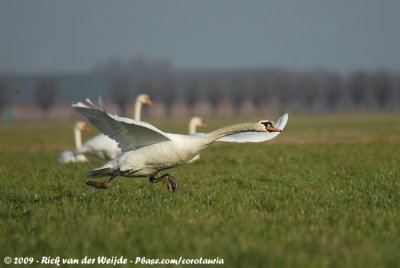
(192, 127)
(138, 110)
(78, 138)
(229, 130)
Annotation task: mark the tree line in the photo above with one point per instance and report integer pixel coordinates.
(300, 91)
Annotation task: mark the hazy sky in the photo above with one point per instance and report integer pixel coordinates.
(50, 36)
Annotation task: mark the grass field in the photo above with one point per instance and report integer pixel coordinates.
(325, 193)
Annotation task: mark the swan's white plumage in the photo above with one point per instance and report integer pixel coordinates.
(103, 146)
(69, 156)
(257, 136)
(130, 134)
(194, 123)
(148, 150)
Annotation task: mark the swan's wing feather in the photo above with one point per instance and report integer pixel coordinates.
(257, 136)
(198, 134)
(129, 134)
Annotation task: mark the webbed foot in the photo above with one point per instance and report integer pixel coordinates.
(102, 184)
(171, 183)
(168, 180)
(98, 184)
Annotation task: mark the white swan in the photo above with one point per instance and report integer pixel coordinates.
(147, 150)
(107, 148)
(194, 123)
(140, 100)
(69, 156)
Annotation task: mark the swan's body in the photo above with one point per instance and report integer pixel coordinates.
(104, 147)
(70, 156)
(194, 123)
(149, 160)
(147, 150)
(101, 146)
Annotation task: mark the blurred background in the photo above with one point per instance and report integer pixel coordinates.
(222, 58)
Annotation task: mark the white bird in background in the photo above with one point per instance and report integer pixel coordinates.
(140, 100)
(101, 145)
(69, 156)
(194, 123)
(147, 150)
(107, 148)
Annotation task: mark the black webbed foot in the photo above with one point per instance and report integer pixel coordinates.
(168, 180)
(98, 184)
(102, 184)
(171, 183)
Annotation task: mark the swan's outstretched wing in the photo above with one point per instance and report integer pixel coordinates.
(129, 134)
(257, 136)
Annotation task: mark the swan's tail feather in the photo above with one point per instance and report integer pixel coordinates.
(100, 172)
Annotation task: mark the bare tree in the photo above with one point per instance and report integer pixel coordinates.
(121, 94)
(397, 89)
(308, 88)
(168, 93)
(147, 86)
(357, 85)
(283, 84)
(238, 91)
(214, 92)
(4, 94)
(192, 93)
(333, 90)
(261, 90)
(381, 86)
(46, 93)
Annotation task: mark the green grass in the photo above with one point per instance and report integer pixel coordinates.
(326, 193)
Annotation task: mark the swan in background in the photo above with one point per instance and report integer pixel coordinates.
(100, 145)
(147, 150)
(106, 148)
(69, 156)
(194, 123)
(140, 100)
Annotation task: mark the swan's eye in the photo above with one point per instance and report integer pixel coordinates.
(266, 124)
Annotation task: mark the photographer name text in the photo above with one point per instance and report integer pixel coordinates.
(115, 260)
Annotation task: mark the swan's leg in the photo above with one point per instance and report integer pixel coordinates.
(171, 183)
(102, 184)
(153, 179)
(169, 180)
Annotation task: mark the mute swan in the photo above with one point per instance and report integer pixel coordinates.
(140, 100)
(194, 123)
(147, 150)
(69, 156)
(107, 148)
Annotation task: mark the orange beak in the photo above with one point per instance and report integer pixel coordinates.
(149, 102)
(271, 128)
(87, 128)
(203, 125)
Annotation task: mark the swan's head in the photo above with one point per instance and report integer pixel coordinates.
(144, 99)
(198, 122)
(266, 125)
(82, 126)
